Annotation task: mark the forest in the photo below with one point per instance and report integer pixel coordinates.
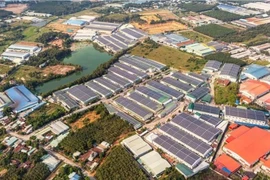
(45, 38)
(224, 58)
(4, 14)
(248, 34)
(196, 7)
(107, 128)
(223, 15)
(214, 30)
(50, 56)
(60, 8)
(120, 165)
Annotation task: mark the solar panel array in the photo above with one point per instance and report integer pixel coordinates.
(213, 64)
(180, 152)
(108, 44)
(197, 76)
(165, 89)
(82, 93)
(245, 113)
(199, 92)
(153, 94)
(186, 139)
(107, 84)
(186, 79)
(148, 61)
(194, 126)
(119, 72)
(118, 80)
(144, 101)
(141, 66)
(206, 108)
(213, 121)
(133, 107)
(67, 100)
(177, 84)
(136, 124)
(98, 89)
(230, 70)
(136, 72)
(132, 32)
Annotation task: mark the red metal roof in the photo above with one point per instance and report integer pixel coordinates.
(228, 162)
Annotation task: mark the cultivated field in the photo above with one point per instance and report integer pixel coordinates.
(59, 26)
(16, 8)
(160, 28)
(163, 14)
(58, 69)
(86, 119)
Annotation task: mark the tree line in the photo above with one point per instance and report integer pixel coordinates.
(45, 38)
(223, 15)
(196, 7)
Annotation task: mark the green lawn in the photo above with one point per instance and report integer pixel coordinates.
(4, 68)
(169, 56)
(31, 33)
(196, 36)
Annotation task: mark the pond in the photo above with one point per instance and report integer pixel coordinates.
(87, 57)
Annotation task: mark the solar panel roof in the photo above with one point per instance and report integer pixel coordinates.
(199, 92)
(98, 89)
(214, 121)
(144, 101)
(116, 79)
(198, 76)
(187, 79)
(131, 70)
(186, 139)
(245, 113)
(138, 65)
(132, 33)
(230, 70)
(115, 42)
(194, 126)
(82, 93)
(130, 77)
(108, 84)
(148, 61)
(212, 64)
(122, 35)
(205, 108)
(177, 84)
(133, 107)
(187, 156)
(67, 100)
(153, 94)
(168, 90)
(136, 124)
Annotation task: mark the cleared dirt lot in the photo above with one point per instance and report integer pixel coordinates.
(164, 14)
(16, 8)
(58, 69)
(59, 26)
(89, 117)
(160, 28)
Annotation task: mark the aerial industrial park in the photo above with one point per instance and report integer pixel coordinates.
(162, 89)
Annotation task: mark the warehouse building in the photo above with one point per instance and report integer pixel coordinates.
(253, 89)
(133, 108)
(153, 163)
(4, 101)
(32, 50)
(136, 145)
(255, 72)
(65, 100)
(108, 85)
(124, 75)
(208, 119)
(131, 70)
(198, 49)
(264, 101)
(197, 94)
(187, 79)
(199, 77)
(204, 109)
(16, 57)
(212, 66)
(245, 117)
(266, 165)
(85, 35)
(22, 99)
(59, 127)
(177, 85)
(261, 47)
(50, 161)
(201, 20)
(249, 147)
(173, 40)
(103, 27)
(103, 92)
(75, 22)
(123, 83)
(237, 10)
(230, 72)
(82, 94)
(226, 165)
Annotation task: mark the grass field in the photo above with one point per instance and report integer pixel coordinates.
(24, 73)
(48, 109)
(260, 39)
(4, 68)
(196, 36)
(31, 33)
(169, 56)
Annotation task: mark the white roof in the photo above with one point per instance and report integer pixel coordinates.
(137, 145)
(58, 127)
(154, 163)
(50, 161)
(15, 54)
(25, 47)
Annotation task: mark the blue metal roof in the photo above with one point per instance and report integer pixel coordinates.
(257, 71)
(75, 22)
(22, 98)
